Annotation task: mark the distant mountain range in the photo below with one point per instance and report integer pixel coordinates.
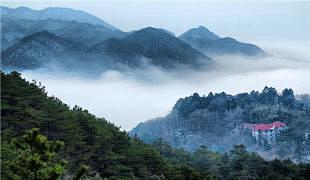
(15, 28)
(214, 121)
(208, 42)
(143, 47)
(37, 38)
(41, 49)
(158, 47)
(54, 13)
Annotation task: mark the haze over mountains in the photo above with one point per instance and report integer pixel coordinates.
(68, 23)
(78, 39)
(140, 74)
(56, 13)
(39, 49)
(208, 42)
(214, 121)
(162, 49)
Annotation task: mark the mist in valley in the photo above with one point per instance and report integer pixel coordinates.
(156, 89)
(129, 97)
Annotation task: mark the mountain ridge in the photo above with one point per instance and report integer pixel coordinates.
(15, 29)
(57, 13)
(40, 49)
(160, 47)
(143, 48)
(208, 42)
(114, 49)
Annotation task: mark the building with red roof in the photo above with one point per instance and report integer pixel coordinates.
(264, 131)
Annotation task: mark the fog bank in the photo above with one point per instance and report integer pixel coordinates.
(129, 98)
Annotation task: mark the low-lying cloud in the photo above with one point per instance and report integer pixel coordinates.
(128, 98)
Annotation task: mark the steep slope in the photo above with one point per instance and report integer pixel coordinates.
(214, 121)
(153, 45)
(40, 49)
(211, 44)
(109, 152)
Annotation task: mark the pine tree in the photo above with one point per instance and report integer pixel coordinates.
(32, 156)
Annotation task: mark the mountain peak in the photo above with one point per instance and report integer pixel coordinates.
(211, 44)
(153, 30)
(149, 29)
(149, 34)
(162, 48)
(23, 8)
(202, 28)
(199, 32)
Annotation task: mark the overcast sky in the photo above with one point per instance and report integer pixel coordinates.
(248, 20)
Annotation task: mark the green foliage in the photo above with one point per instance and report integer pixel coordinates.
(237, 164)
(82, 170)
(216, 120)
(89, 140)
(96, 147)
(31, 157)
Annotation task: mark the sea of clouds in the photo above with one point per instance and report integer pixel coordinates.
(128, 98)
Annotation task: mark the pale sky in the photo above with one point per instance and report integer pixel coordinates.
(247, 20)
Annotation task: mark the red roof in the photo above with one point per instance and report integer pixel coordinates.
(264, 127)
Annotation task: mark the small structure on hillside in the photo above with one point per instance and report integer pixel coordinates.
(261, 132)
(306, 134)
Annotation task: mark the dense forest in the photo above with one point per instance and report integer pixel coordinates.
(212, 121)
(88, 140)
(43, 138)
(235, 164)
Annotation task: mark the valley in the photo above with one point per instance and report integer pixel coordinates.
(155, 90)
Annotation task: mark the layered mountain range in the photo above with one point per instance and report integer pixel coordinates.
(70, 38)
(215, 120)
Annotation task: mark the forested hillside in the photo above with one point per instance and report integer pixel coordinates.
(213, 121)
(43, 138)
(88, 140)
(237, 164)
